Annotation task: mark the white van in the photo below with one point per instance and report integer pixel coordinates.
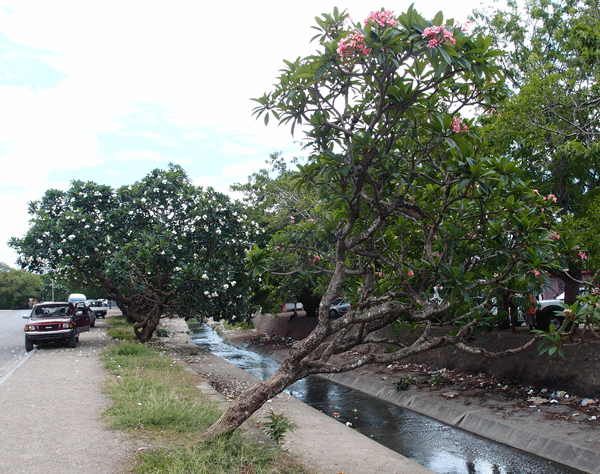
(76, 297)
(80, 298)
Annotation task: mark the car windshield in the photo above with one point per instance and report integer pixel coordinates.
(52, 311)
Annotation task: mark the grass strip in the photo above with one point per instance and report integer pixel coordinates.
(154, 399)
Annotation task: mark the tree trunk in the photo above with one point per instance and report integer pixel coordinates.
(309, 301)
(290, 371)
(252, 399)
(148, 325)
(572, 286)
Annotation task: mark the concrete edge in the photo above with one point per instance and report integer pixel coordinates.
(578, 457)
(533, 443)
(554, 450)
(312, 428)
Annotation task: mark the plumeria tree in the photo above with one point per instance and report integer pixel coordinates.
(276, 196)
(412, 221)
(550, 121)
(159, 247)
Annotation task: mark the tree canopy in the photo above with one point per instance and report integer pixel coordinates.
(160, 246)
(550, 123)
(416, 219)
(17, 287)
(276, 196)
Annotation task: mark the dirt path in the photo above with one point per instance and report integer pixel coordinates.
(51, 407)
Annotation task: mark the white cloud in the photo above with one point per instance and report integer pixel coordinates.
(146, 83)
(147, 155)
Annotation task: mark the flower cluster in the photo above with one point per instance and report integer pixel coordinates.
(438, 35)
(381, 19)
(554, 236)
(458, 125)
(352, 46)
(550, 197)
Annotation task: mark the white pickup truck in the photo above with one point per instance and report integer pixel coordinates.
(546, 313)
(99, 307)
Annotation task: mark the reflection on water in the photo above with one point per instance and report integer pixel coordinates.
(437, 446)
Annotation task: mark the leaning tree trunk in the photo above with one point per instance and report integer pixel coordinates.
(145, 328)
(253, 398)
(291, 369)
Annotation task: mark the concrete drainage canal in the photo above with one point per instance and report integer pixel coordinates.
(439, 447)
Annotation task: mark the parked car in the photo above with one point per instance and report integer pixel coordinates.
(550, 312)
(98, 307)
(339, 307)
(56, 322)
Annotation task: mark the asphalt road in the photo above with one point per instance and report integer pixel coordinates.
(11, 335)
(52, 403)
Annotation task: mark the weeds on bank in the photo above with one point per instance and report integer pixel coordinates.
(405, 383)
(243, 326)
(277, 426)
(120, 329)
(155, 399)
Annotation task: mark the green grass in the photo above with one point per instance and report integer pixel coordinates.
(120, 329)
(156, 399)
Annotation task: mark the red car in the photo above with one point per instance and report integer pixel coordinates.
(56, 322)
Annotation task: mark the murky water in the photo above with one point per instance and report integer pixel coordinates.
(442, 448)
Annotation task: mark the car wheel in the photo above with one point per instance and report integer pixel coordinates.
(93, 323)
(333, 313)
(545, 320)
(28, 344)
(73, 341)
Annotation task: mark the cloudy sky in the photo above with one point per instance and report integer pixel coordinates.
(107, 91)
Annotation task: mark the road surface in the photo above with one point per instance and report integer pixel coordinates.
(12, 343)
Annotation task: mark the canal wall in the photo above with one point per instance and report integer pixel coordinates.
(578, 372)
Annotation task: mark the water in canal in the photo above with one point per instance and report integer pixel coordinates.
(439, 447)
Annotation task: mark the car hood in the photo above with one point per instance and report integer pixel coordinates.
(64, 319)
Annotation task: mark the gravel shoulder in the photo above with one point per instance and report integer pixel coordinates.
(52, 404)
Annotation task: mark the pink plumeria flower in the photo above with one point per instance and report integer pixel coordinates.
(438, 35)
(381, 18)
(554, 236)
(352, 46)
(458, 125)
